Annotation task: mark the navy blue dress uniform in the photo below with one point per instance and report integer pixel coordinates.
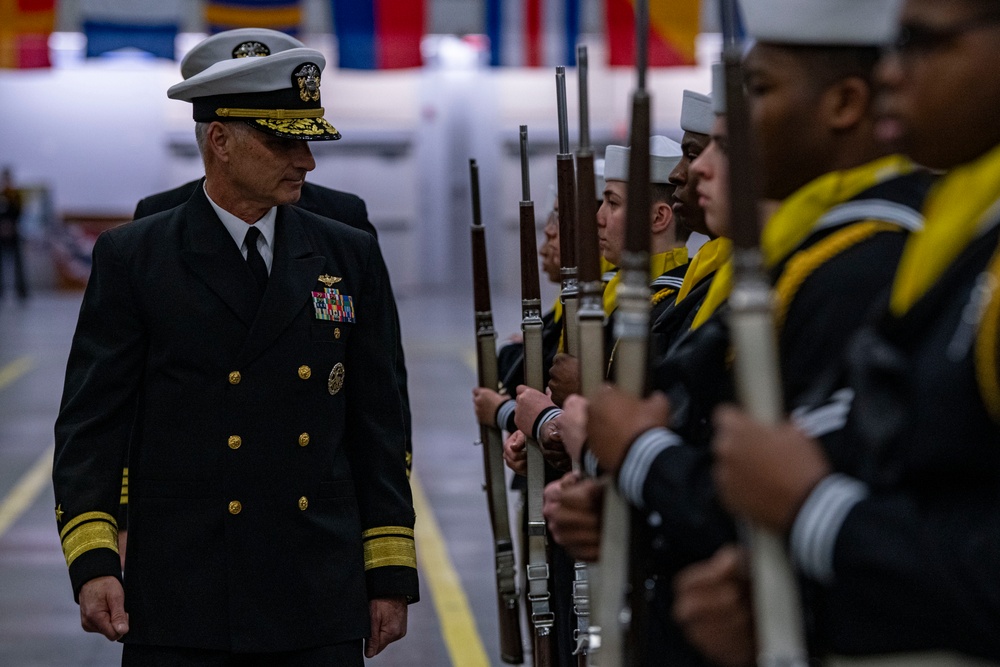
(899, 544)
(266, 439)
(327, 202)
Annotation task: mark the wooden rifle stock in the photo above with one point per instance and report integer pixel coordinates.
(565, 181)
(617, 610)
(542, 617)
(777, 612)
(508, 600)
(591, 320)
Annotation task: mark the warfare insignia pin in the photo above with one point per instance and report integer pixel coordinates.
(307, 79)
(251, 50)
(333, 306)
(329, 281)
(336, 380)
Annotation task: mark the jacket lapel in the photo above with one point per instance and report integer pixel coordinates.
(210, 252)
(294, 273)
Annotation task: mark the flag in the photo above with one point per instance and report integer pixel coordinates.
(281, 15)
(147, 25)
(25, 26)
(673, 27)
(532, 33)
(378, 34)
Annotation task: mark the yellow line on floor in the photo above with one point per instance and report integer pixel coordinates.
(458, 626)
(14, 370)
(26, 490)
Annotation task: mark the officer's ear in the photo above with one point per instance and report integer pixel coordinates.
(220, 139)
(846, 103)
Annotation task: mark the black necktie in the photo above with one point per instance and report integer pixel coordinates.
(256, 263)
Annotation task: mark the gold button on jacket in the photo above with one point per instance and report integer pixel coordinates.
(303, 503)
(235, 377)
(235, 507)
(305, 372)
(303, 440)
(235, 441)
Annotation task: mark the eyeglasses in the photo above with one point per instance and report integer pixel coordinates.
(918, 40)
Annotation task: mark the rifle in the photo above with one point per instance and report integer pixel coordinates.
(615, 606)
(509, 602)
(590, 316)
(542, 617)
(777, 612)
(565, 178)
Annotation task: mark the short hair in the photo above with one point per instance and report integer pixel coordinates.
(662, 193)
(827, 65)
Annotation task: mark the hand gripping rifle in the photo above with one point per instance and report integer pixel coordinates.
(590, 316)
(542, 617)
(778, 617)
(614, 605)
(565, 180)
(511, 650)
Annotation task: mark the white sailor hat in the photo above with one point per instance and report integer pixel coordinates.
(239, 43)
(718, 89)
(822, 22)
(278, 94)
(599, 177)
(696, 113)
(664, 154)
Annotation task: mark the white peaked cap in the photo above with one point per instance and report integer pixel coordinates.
(822, 22)
(240, 43)
(718, 88)
(664, 155)
(246, 75)
(696, 113)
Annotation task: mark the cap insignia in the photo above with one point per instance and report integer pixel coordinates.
(307, 78)
(251, 50)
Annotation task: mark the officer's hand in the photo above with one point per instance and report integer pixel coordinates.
(102, 608)
(572, 509)
(552, 446)
(530, 403)
(487, 402)
(762, 472)
(564, 377)
(514, 454)
(617, 418)
(388, 623)
(712, 606)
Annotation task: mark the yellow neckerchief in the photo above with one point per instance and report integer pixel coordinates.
(953, 213)
(797, 216)
(708, 259)
(659, 264)
(557, 309)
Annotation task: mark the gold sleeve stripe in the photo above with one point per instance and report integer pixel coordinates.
(804, 263)
(86, 516)
(387, 530)
(987, 342)
(91, 535)
(387, 551)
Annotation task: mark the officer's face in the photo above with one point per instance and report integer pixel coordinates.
(784, 112)
(611, 221)
(268, 169)
(711, 168)
(684, 201)
(549, 251)
(943, 82)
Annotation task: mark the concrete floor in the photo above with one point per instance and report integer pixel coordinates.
(39, 622)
